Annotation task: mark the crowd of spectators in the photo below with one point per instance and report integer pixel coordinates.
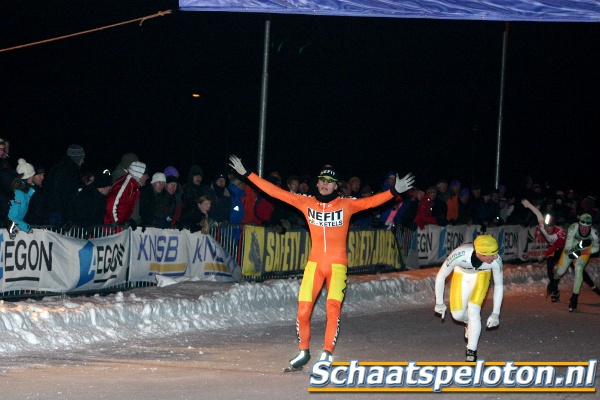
(69, 195)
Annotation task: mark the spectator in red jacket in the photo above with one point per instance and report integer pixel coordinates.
(425, 214)
(125, 193)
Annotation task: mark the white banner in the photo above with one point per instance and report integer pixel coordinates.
(179, 254)
(434, 243)
(48, 261)
(208, 260)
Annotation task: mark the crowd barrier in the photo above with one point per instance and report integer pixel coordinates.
(73, 261)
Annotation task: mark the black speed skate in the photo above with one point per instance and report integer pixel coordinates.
(552, 290)
(471, 355)
(326, 356)
(298, 362)
(573, 302)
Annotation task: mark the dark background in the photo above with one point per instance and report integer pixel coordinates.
(367, 95)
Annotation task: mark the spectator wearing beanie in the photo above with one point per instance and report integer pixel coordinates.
(124, 195)
(221, 199)
(37, 213)
(76, 153)
(193, 189)
(23, 191)
(171, 171)
(151, 198)
(62, 186)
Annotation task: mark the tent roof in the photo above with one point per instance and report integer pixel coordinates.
(494, 10)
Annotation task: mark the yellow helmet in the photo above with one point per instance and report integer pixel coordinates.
(486, 245)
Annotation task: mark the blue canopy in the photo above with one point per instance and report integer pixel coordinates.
(493, 10)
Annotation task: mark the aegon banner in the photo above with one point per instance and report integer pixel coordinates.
(48, 261)
(434, 243)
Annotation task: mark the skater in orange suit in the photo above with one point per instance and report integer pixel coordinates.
(328, 217)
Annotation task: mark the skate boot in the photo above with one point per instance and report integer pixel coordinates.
(300, 360)
(471, 355)
(596, 290)
(573, 302)
(326, 356)
(555, 296)
(552, 286)
(467, 332)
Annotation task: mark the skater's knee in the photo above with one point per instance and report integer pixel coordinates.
(304, 310)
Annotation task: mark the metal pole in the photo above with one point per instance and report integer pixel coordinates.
(499, 137)
(263, 102)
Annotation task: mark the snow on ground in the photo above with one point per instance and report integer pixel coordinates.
(56, 323)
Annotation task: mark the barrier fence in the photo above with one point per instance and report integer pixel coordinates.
(101, 259)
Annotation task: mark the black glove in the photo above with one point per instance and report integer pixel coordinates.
(574, 255)
(143, 228)
(132, 224)
(585, 243)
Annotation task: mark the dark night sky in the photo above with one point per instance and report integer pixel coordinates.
(364, 94)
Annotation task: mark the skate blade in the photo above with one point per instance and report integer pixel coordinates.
(292, 369)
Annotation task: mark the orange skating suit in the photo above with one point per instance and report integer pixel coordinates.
(328, 260)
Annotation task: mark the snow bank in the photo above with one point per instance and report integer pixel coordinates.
(55, 323)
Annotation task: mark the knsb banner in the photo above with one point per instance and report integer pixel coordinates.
(47, 261)
(207, 260)
(157, 252)
(179, 254)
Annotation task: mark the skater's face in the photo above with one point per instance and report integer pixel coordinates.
(584, 230)
(326, 186)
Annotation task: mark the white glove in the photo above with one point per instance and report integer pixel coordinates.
(402, 185)
(493, 320)
(441, 309)
(236, 163)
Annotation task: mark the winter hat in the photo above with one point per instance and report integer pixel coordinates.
(39, 169)
(171, 171)
(172, 178)
(220, 175)
(137, 169)
(127, 159)
(196, 170)
(486, 245)
(158, 177)
(584, 219)
(76, 153)
(464, 192)
(455, 183)
(25, 169)
(329, 173)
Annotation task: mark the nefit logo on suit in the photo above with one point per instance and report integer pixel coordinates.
(332, 218)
